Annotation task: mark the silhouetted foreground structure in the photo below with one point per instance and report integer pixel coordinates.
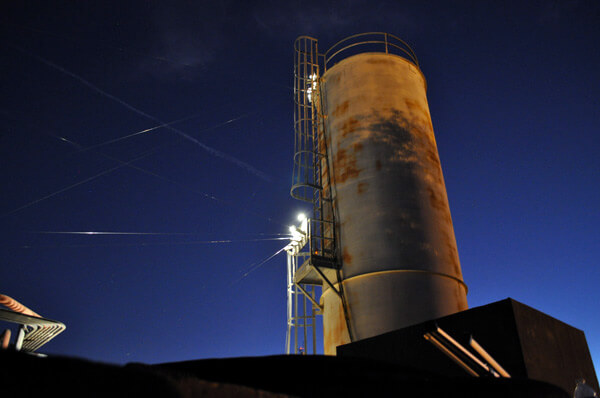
(544, 356)
(265, 377)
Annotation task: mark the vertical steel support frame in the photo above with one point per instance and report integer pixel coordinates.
(301, 312)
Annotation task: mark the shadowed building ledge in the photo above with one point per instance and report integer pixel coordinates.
(527, 343)
(264, 377)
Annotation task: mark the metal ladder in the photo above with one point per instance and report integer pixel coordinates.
(317, 248)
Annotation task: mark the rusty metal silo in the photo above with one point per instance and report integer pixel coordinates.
(396, 254)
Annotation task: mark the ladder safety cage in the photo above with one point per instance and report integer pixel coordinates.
(312, 251)
(306, 75)
(310, 181)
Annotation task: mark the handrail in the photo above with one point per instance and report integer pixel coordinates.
(35, 331)
(391, 44)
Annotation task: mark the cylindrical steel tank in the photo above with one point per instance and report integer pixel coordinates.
(396, 244)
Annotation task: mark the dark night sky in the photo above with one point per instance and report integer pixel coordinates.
(513, 91)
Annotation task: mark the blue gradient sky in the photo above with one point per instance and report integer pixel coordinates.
(513, 92)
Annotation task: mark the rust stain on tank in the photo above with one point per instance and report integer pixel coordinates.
(344, 166)
(418, 112)
(415, 106)
(336, 335)
(378, 165)
(335, 78)
(349, 126)
(453, 257)
(341, 109)
(381, 61)
(433, 158)
(361, 187)
(358, 146)
(436, 201)
(346, 257)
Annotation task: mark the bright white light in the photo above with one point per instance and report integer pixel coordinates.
(292, 229)
(301, 216)
(312, 86)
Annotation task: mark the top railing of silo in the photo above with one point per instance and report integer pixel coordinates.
(369, 42)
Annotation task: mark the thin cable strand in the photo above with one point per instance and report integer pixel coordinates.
(202, 145)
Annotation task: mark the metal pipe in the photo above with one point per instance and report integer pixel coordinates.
(289, 303)
(314, 324)
(309, 296)
(304, 319)
(450, 354)
(14, 305)
(295, 318)
(20, 338)
(322, 275)
(462, 349)
(488, 358)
